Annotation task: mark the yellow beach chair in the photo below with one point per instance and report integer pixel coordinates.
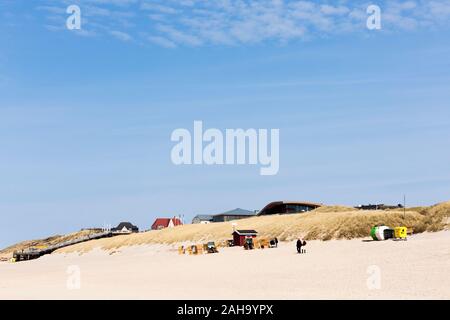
(400, 233)
(264, 243)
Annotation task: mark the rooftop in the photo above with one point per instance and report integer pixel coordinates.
(245, 232)
(237, 212)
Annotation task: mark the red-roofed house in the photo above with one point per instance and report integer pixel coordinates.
(162, 223)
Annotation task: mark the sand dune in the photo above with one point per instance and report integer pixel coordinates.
(325, 223)
(348, 269)
(322, 224)
(43, 243)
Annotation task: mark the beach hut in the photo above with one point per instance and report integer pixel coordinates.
(239, 236)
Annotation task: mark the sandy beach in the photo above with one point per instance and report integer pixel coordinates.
(344, 269)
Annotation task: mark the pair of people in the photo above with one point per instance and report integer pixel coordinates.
(300, 243)
(274, 243)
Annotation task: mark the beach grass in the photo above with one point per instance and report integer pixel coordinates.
(325, 223)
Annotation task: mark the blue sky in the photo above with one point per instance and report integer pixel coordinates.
(86, 116)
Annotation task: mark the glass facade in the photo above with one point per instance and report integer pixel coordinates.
(287, 208)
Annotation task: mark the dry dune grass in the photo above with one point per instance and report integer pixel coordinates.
(335, 209)
(325, 223)
(7, 252)
(435, 218)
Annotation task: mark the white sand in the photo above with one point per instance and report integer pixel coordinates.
(415, 269)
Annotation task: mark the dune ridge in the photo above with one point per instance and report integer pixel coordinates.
(325, 223)
(320, 224)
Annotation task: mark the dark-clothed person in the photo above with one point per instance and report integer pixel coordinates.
(299, 245)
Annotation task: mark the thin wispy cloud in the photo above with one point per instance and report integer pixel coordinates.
(121, 3)
(173, 23)
(158, 8)
(163, 42)
(121, 35)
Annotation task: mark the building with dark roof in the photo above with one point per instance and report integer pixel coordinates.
(288, 207)
(125, 227)
(234, 214)
(378, 207)
(202, 218)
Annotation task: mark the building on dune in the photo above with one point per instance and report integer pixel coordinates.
(378, 207)
(125, 227)
(234, 214)
(288, 207)
(202, 218)
(230, 215)
(162, 223)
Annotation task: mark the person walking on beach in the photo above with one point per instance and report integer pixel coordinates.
(276, 242)
(299, 245)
